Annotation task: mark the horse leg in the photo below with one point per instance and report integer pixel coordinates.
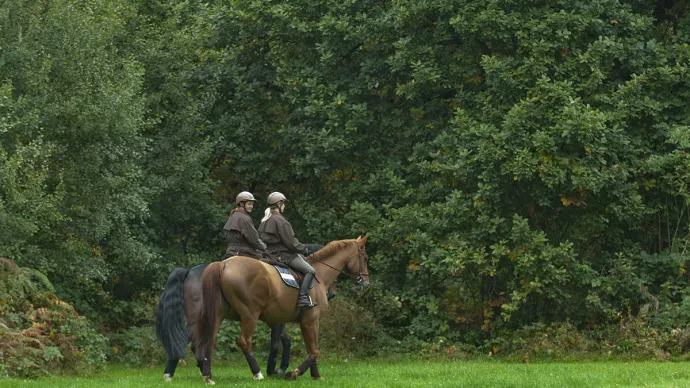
(276, 331)
(204, 364)
(285, 339)
(199, 364)
(190, 332)
(310, 333)
(248, 325)
(170, 370)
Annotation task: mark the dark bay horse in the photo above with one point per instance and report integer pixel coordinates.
(248, 290)
(180, 302)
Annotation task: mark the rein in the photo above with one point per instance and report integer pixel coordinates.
(360, 257)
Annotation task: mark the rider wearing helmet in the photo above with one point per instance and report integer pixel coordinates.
(280, 239)
(239, 230)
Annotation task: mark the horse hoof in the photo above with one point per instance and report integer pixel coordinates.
(209, 381)
(292, 375)
(167, 378)
(258, 377)
(279, 372)
(319, 378)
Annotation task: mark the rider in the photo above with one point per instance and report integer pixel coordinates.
(277, 232)
(239, 230)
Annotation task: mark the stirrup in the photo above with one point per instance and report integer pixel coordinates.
(301, 302)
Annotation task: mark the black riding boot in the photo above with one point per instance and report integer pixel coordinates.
(303, 300)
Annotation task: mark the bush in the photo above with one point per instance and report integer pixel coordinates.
(39, 333)
(136, 346)
(631, 338)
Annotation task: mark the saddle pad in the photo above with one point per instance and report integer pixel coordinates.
(287, 277)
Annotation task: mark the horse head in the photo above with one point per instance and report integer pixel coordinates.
(358, 269)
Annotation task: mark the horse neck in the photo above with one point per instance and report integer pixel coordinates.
(337, 260)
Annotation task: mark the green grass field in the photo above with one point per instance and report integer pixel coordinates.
(379, 373)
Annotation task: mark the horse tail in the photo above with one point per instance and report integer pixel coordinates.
(211, 294)
(170, 316)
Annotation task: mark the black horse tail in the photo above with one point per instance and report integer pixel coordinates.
(211, 294)
(170, 316)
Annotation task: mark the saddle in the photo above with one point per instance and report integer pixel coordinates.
(290, 277)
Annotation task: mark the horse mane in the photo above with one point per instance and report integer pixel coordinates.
(330, 249)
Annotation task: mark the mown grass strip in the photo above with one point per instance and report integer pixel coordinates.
(408, 373)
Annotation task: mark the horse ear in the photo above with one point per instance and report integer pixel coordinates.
(363, 240)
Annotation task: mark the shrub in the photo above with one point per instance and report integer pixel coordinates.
(136, 346)
(39, 333)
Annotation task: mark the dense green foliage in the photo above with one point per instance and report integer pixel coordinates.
(517, 164)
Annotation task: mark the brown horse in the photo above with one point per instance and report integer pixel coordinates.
(179, 302)
(248, 290)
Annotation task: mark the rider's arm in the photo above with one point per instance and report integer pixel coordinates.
(287, 236)
(252, 236)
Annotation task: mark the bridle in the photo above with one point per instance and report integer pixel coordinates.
(356, 278)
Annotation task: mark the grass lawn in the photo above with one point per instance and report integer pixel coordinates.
(408, 373)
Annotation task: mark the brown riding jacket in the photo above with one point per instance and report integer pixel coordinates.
(280, 239)
(241, 236)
